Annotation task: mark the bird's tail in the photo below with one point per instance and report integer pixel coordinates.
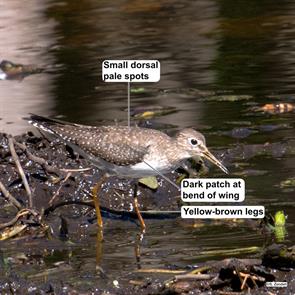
(44, 123)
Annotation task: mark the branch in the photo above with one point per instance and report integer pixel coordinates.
(20, 171)
(48, 168)
(7, 195)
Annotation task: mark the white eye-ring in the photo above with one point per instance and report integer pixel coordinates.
(193, 141)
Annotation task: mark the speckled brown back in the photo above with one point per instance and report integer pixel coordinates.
(115, 144)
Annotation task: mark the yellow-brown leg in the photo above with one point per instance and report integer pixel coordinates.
(97, 189)
(99, 253)
(137, 247)
(136, 208)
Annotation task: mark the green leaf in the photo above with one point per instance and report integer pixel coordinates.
(151, 182)
(137, 90)
(280, 233)
(280, 230)
(280, 218)
(288, 183)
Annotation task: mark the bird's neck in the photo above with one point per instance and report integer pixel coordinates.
(177, 154)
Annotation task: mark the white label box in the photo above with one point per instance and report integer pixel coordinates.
(221, 212)
(213, 190)
(131, 70)
(276, 284)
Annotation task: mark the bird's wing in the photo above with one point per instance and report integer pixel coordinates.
(93, 142)
(120, 154)
(99, 143)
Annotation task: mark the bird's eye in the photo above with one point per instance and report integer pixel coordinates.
(193, 141)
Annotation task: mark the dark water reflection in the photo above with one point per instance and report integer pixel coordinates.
(218, 59)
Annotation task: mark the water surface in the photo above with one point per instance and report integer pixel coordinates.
(219, 59)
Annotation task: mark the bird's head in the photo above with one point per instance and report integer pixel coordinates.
(193, 143)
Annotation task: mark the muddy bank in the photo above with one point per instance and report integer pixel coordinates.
(228, 277)
(55, 173)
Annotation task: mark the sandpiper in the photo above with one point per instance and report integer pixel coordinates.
(129, 152)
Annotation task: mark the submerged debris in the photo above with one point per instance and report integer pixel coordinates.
(279, 256)
(277, 108)
(148, 112)
(228, 276)
(12, 71)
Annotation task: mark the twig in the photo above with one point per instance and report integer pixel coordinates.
(58, 190)
(7, 195)
(76, 170)
(20, 171)
(9, 223)
(199, 276)
(67, 203)
(114, 213)
(15, 219)
(246, 276)
(159, 270)
(11, 232)
(230, 293)
(42, 162)
(200, 269)
(236, 272)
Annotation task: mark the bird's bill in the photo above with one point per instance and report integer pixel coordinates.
(213, 160)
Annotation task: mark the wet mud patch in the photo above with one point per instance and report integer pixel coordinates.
(57, 177)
